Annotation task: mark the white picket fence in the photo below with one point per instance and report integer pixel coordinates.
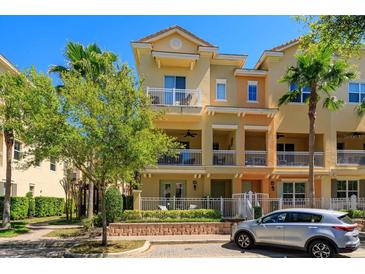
(243, 205)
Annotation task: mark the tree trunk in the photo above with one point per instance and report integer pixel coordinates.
(104, 241)
(79, 200)
(312, 135)
(9, 142)
(90, 204)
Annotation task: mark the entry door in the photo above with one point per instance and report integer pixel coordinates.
(218, 189)
(174, 82)
(271, 229)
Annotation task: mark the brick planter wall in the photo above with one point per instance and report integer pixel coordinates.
(144, 229)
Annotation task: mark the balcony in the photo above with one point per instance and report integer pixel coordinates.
(185, 157)
(298, 159)
(255, 158)
(351, 157)
(224, 157)
(174, 97)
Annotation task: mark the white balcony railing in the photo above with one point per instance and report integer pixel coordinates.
(298, 158)
(174, 97)
(185, 157)
(351, 157)
(224, 157)
(255, 158)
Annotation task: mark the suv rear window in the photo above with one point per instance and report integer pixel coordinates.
(346, 219)
(300, 217)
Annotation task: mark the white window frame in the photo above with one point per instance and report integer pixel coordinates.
(221, 81)
(360, 91)
(301, 97)
(52, 163)
(347, 188)
(252, 83)
(294, 193)
(17, 151)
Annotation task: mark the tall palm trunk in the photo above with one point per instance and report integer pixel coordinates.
(104, 241)
(312, 135)
(90, 204)
(9, 142)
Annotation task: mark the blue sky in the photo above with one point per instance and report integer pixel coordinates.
(40, 40)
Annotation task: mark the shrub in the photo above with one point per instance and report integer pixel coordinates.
(127, 202)
(257, 212)
(355, 213)
(97, 220)
(31, 208)
(19, 207)
(49, 206)
(170, 214)
(113, 204)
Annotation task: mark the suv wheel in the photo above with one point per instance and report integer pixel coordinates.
(321, 249)
(244, 240)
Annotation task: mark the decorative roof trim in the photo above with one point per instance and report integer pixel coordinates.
(235, 110)
(286, 45)
(8, 64)
(268, 53)
(225, 126)
(164, 54)
(141, 45)
(250, 72)
(165, 32)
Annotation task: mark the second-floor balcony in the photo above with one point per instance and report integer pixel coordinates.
(224, 157)
(174, 97)
(351, 157)
(184, 157)
(299, 158)
(255, 158)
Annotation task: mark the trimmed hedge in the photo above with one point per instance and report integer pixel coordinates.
(113, 204)
(356, 213)
(19, 207)
(31, 208)
(170, 214)
(49, 206)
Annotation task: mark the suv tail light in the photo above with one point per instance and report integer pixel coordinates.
(345, 227)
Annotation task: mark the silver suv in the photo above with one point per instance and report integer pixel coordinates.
(322, 233)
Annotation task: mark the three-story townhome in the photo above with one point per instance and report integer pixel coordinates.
(235, 137)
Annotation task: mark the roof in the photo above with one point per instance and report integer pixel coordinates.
(7, 63)
(312, 210)
(156, 34)
(286, 44)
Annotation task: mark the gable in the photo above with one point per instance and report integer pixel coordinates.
(175, 43)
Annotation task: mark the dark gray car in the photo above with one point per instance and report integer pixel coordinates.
(322, 233)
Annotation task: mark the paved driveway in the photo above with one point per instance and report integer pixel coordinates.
(226, 250)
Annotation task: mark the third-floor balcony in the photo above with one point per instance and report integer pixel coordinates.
(224, 157)
(174, 97)
(184, 157)
(351, 157)
(351, 148)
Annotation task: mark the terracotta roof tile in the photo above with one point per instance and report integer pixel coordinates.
(280, 47)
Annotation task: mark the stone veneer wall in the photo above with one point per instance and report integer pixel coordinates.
(144, 229)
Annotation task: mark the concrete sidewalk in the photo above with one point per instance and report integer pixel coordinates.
(170, 239)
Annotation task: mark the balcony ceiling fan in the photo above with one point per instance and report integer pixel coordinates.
(279, 135)
(190, 134)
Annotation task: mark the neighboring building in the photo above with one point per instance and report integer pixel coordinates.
(43, 180)
(236, 137)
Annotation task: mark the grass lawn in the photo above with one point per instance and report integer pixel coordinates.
(35, 220)
(173, 220)
(66, 233)
(92, 247)
(17, 228)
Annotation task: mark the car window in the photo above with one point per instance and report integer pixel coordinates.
(274, 218)
(301, 217)
(346, 219)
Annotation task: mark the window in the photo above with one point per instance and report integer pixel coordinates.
(345, 189)
(220, 92)
(300, 217)
(356, 92)
(274, 218)
(31, 188)
(52, 165)
(300, 98)
(293, 190)
(17, 150)
(252, 91)
(171, 83)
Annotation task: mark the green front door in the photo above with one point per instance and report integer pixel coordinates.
(220, 188)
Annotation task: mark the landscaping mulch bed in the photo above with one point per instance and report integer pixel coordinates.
(94, 247)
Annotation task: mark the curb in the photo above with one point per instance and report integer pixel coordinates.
(69, 254)
(161, 242)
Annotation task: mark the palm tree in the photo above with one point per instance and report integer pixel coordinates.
(86, 61)
(317, 70)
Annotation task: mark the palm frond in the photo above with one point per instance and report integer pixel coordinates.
(57, 69)
(289, 97)
(360, 109)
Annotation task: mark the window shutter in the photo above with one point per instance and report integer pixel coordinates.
(279, 189)
(334, 188)
(362, 189)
